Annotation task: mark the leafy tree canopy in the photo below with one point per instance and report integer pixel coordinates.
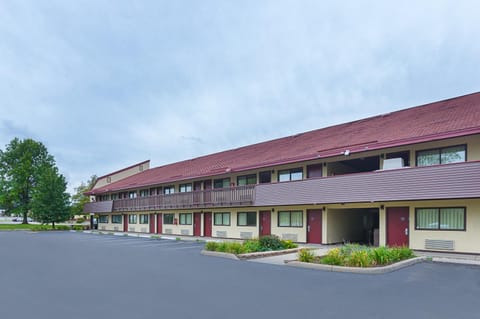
(79, 199)
(20, 167)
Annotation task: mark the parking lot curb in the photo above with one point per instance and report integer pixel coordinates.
(358, 270)
(219, 254)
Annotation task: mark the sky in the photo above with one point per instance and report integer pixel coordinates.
(105, 84)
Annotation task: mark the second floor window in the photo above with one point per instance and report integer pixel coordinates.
(169, 190)
(132, 195)
(221, 183)
(247, 180)
(445, 155)
(185, 188)
(293, 174)
(144, 192)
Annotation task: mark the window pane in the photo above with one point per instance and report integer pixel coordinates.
(296, 174)
(427, 218)
(284, 219)
(188, 219)
(226, 218)
(453, 154)
(242, 180)
(430, 157)
(296, 219)
(452, 218)
(252, 219)
(116, 219)
(283, 176)
(168, 219)
(218, 219)
(242, 219)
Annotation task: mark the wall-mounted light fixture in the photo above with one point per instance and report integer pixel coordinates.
(273, 209)
(324, 208)
(346, 153)
(382, 207)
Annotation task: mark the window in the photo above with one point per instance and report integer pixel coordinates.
(169, 190)
(186, 219)
(314, 170)
(265, 177)
(221, 183)
(132, 195)
(453, 154)
(144, 192)
(103, 219)
(290, 175)
(290, 219)
(247, 219)
(116, 219)
(247, 180)
(185, 188)
(451, 218)
(143, 218)
(132, 219)
(221, 219)
(114, 196)
(168, 219)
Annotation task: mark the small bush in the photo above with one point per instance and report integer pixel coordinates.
(252, 245)
(333, 257)
(359, 258)
(80, 220)
(62, 227)
(288, 244)
(306, 255)
(77, 227)
(211, 246)
(235, 248)
(271, 242)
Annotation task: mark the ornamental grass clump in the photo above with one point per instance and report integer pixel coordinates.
(306, 255)
(266, 243)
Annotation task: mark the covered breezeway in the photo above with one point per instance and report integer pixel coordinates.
(353, 225)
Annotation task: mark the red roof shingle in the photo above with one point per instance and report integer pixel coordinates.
(444, 119)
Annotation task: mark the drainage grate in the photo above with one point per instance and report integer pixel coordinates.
(439, 244)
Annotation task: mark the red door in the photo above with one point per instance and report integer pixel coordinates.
(397, 226)
(125, 222)
(152, 223)
(159, 223)
(265, 224)
(207, 224)
(197, 224)
(314, 226)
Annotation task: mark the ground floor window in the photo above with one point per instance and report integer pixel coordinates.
(247, 219)
(168, 219)
(222, 219)
(448, 218)
(290, 219)
(143, 219)
(132, 219)
(116, 219)
(103, 219)
(186, 219)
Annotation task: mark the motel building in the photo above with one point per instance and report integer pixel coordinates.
(410, 177)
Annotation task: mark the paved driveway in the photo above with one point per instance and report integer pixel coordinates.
(75, 275)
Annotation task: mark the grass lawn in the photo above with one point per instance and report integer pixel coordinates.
(24, 226)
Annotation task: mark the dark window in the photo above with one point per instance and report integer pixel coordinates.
(144, 192)
(103, 219)
(448, 218)
(221, 183)
(290, 219)
(294, 174)
(247, 219)
(221, 219)
(185, 188)
(265, 177)
(114, 196)
(247, 180)
(185, 218)
(116, 219)
(132, 219)
(132, 195)
(445, 155)
(405, 155)
(168, 219)
(314, 170)
(143, 218)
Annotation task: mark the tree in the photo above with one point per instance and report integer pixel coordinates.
(51, 201)
(20, 166)
(79, 198)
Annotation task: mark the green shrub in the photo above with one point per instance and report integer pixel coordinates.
(252, 245)
(211, 246)
(80, 220)
(334, 257)
(306, 255)
(62, 227)
(359, 258)
(288, 244)
(77, 227)
(235, 248)
(271, 242)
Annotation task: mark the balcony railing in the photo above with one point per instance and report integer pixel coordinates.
(235, 196)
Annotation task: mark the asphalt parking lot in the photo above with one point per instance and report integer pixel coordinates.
(77, 275)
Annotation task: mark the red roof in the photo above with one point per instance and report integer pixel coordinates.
(444, 119)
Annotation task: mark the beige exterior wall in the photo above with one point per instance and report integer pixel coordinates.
(110, 226)
(108, 179)
(172, 229)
